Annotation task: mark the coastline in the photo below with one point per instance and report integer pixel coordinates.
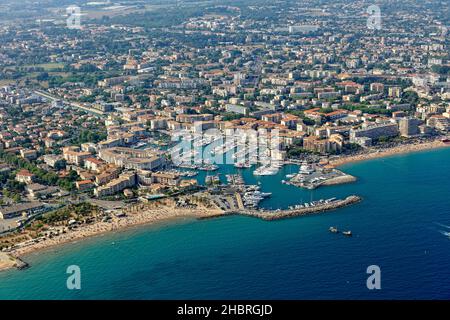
(152, 216)
(145, 217)
(402, 149)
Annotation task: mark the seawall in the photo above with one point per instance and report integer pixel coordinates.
(283, 214)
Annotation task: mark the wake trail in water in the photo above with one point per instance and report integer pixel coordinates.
(442, 225)
(447, 234)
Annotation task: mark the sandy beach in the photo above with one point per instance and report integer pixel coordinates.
(146, 216)
(402, 149)
(142, 214)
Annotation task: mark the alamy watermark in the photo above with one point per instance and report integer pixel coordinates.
(73, 20)
(374, 19)
(374, 280)
(74, 280)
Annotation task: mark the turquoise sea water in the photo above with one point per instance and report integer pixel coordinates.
(400, 226)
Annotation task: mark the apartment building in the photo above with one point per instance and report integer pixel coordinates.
(375, 131)
(125, 180)
(76, 157)
(409, 126)
(131, 158)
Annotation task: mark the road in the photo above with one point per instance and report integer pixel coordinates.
(72, 104)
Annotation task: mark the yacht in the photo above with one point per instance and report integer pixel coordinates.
(347, 233)
(265, 171)
(330, 200)
(188, 166)
(262, 194)
(208, 167)
(253, 188)
(242, 165)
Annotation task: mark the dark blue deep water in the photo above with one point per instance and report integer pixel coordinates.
(400, 226)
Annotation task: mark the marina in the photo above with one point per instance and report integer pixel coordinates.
(312, 204)
(208, 167)
(235, 179)
(212, 180)
(230, 232)
(252, 197)
(312, 176)
(268, 170)
(242, 165)
(219, 149)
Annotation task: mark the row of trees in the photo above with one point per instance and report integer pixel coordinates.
(75, 211)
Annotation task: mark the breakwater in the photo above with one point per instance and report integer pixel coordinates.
(9, 261)
(270, 253)
(283, 214)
